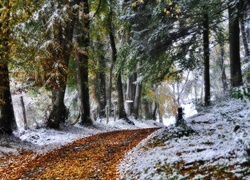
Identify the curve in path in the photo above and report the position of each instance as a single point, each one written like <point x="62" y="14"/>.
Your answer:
<point x="95" y="157"/>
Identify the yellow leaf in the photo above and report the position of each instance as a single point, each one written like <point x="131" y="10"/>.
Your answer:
<point x="178" y="11"/>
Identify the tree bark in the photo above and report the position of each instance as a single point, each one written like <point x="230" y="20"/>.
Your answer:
<point x="234" y="41"/>
<point x="221" y="41"/>
<point x="120" y="104"/>
<point x="155" y="111"/>
<point x="82" y="41"/>
<point x="63" y="37"/>
<point x="148" y="109"/>
<point x="129" y="96"/>
<point x="137" y="98"/>
<point x="245" y="31"/>
<point x="7" y="118"/>
<point x="101" y="87"/>
<point x="206" y="59"/>
<point x="110" y="87"/>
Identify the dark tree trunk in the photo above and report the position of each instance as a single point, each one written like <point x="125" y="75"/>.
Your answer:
<point x="206" y="59"/>
<point x="120" y="104"/>
<point x="148" y="109"/>
<point x="155" y="111"/>
<point x="245" y="39"/>
<point x="221" y="42"/>
<point x="7" y="118"/>
<point x="63" y="37"/>
<point x="101" y="87"/>
<point x="130" y="96"/>
<point x="110" y="86"/>
<point x="245" y="31"/>
<point x="137" y="100"/>
<point x="82" y="40"/>
<point x="234" y="41"/>
<point x="58" y="113"/>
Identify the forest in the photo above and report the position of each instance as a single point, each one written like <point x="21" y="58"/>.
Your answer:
<point x="134" y="58"/>
<point x="77" y="62"/>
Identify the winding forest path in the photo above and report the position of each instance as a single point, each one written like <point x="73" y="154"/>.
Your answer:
<point x="95" y="157"/>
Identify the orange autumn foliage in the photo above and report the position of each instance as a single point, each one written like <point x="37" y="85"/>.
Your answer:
<point x="94" y="157"/>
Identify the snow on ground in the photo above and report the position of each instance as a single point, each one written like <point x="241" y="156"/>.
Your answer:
<point x="221" y="138"/>
<point x="218" y="135"/>
<point x="43" y="140"/>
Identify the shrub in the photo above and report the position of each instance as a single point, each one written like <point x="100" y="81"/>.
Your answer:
<point x="242" y="92"/>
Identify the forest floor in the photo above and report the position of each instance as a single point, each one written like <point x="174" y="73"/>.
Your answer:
<point x="94" y="157"/>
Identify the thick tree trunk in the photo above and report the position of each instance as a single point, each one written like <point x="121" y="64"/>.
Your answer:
<point x="7" y="118"/>
<point x="63" y="37"/>
<point x="206" y="60"/>
<point x="245" y="31"/>
<point x="148" y="111"/>
<point x="234" y="41"/>
<point x="82" y="40"/>
<point x="58" y="113"/>
<point x="120" y="104"/>
<point x="83" y="89"/>
<point x="101" y="87"/>
<point x="221" y="42"/>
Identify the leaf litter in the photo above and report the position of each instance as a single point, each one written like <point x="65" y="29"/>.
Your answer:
<point x="94" y="157"/>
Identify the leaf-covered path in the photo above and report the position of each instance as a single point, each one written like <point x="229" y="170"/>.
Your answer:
<point x="94" y="157"/>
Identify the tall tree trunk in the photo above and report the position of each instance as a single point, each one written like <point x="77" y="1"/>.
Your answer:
<point x="120" y="104"/>
<point x="82" y="41"/>
<point x="101" y="87"/>
<point x="234" y="41"/>
<point x="137" y="98"/>
<point x="63" y="37"/>
<point x="129" y="96"/>
<point x="110" y="87"/>
<point x="221" y="42"/>
<point x="155" y="111"/>
<point x="7" y="118"/>
<point x="245" y="31"/>
<point x="206" y="59"/>
<point x="148" y="109"/>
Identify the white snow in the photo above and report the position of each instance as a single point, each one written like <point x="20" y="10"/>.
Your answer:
<point x="215" y="141"/>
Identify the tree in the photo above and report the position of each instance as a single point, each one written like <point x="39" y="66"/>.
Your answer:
<point x="62" y="36"/>
<point x="245" y="31"/>
<point x="120" y="103"/>
<point x="234" y="41"/>
<point x="82" y="28"/>
<point x="100" y="56"/>
<point x="206" y="59"/>
<point x="11" y="13"/>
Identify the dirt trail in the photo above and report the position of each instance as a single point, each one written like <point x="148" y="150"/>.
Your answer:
<point x="95" y="157"/>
